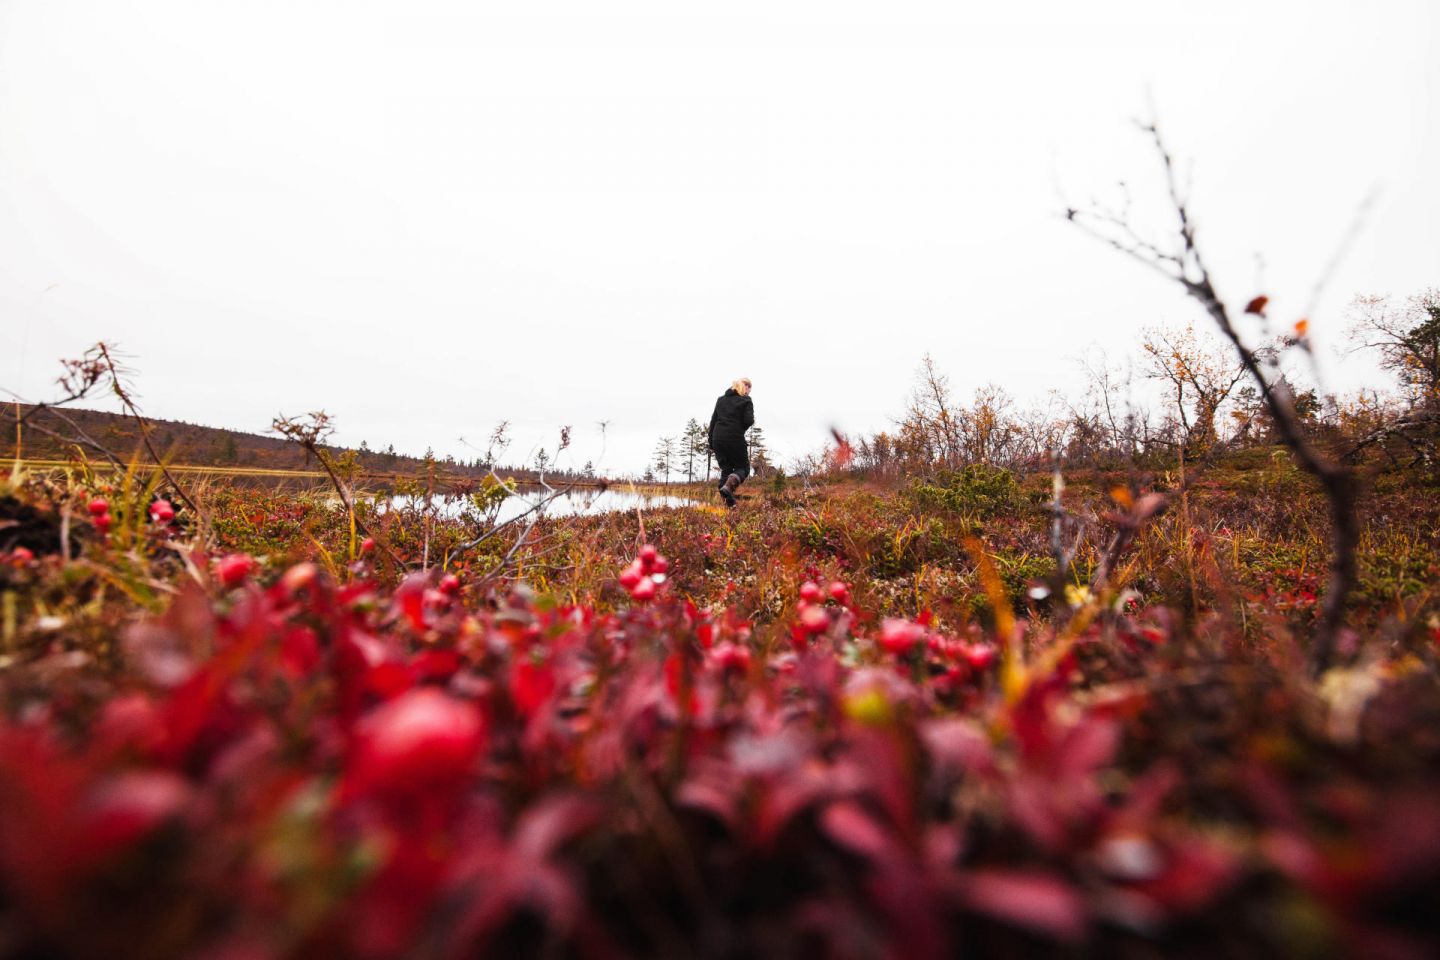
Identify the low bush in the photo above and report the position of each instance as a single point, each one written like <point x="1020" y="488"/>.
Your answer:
<point x="820" y="727"/>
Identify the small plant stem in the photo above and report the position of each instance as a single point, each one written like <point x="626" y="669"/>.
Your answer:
<point x="1185" y="533"/>
<point x="131" y="409"/>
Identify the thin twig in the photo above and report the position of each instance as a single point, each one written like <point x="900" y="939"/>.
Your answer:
<point x="118" y="386"/>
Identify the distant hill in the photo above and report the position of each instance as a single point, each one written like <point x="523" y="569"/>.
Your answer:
<point x="189" y="443"/>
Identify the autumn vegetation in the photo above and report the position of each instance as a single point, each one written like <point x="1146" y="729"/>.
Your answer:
<point x="1072" y="680"/>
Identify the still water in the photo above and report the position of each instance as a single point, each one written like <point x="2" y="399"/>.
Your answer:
<point x="580" y="502"/>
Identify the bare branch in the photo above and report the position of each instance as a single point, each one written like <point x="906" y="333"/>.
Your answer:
<point x="1335" y="479"/>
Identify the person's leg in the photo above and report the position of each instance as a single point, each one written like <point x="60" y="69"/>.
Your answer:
<point x="734" y="468"/>
<point x="728" y="480"/>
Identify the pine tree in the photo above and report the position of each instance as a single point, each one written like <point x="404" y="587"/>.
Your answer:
<point x="759" y="452"/>
<point x="665" y="456"/>
<point x="695" y="444"/>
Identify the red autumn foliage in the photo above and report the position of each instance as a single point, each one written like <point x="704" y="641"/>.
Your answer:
<point x="302" y="764"/>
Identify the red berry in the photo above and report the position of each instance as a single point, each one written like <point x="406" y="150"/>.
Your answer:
<point x="98" y="506"/>
<point x="235" y="568"/>
<point x="631" y="575"/>
<point x="161" y="511"/>
<point x="21" y="556"/>
<point x="900" y="636"/>
<point x="298" y="577"/>
<point x="980" y="655"/>
<point x="814" y="619"/>
<point x="839" y="592"/>
<point x="647" y="556"/>
<point x="419" y="740"/>
<point x="644" y="590"/>
<point x="732" y="656"/>
<point x="367" y="545"/>
<point x="809" y="592"/>
<point x="660" y="565"/>
<point x="102" y="522"/>
<point x="450" y="584"/>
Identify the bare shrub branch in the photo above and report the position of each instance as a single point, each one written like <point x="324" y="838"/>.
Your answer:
<point x="1181" y="262"/>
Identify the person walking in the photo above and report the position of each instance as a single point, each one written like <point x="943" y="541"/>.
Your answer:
<point x="734" y="414"/>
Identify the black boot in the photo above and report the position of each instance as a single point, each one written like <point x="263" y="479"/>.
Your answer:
<point x="727" y="489"/>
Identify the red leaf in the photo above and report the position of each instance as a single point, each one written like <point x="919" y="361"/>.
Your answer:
<point x="850" y="826"/>
<point x="1199" y="871"/>
<point x="300" y="651"/>
<point x="388" y="680"/>
<point x="411" y="597"/>
<point x="124" y="809"/>
<point x="1090" y="744"/>
<point x="531" y="684"/>
<point x="1040" y="902"/>
<point x="960" y="745"/>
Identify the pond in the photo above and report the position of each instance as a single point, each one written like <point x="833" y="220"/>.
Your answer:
<point x="575" y="503"/>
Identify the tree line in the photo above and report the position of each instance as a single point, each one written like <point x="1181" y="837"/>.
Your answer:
<point x="681" y="455"/>
<point x="1182" y="393"/>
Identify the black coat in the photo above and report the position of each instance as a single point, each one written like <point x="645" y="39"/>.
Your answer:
<point x="733" y="415"/>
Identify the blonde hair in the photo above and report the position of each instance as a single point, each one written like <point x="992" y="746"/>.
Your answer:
<point x="741" y="386"/>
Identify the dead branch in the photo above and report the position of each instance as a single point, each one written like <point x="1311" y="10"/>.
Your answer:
<point x="1183" y="264"/>
<point x="308" y="433"/>
<point x="118" y="386"/>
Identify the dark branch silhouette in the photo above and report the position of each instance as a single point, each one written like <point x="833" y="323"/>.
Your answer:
<point x="1182" y="263"/>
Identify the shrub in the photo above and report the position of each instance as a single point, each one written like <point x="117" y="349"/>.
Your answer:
<point x="977" y="490"/>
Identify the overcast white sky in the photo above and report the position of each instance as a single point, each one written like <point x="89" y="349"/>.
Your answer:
<point x="427" y="216"/>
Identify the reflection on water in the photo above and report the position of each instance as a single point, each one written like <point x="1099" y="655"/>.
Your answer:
<point x="579" y="502"/>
